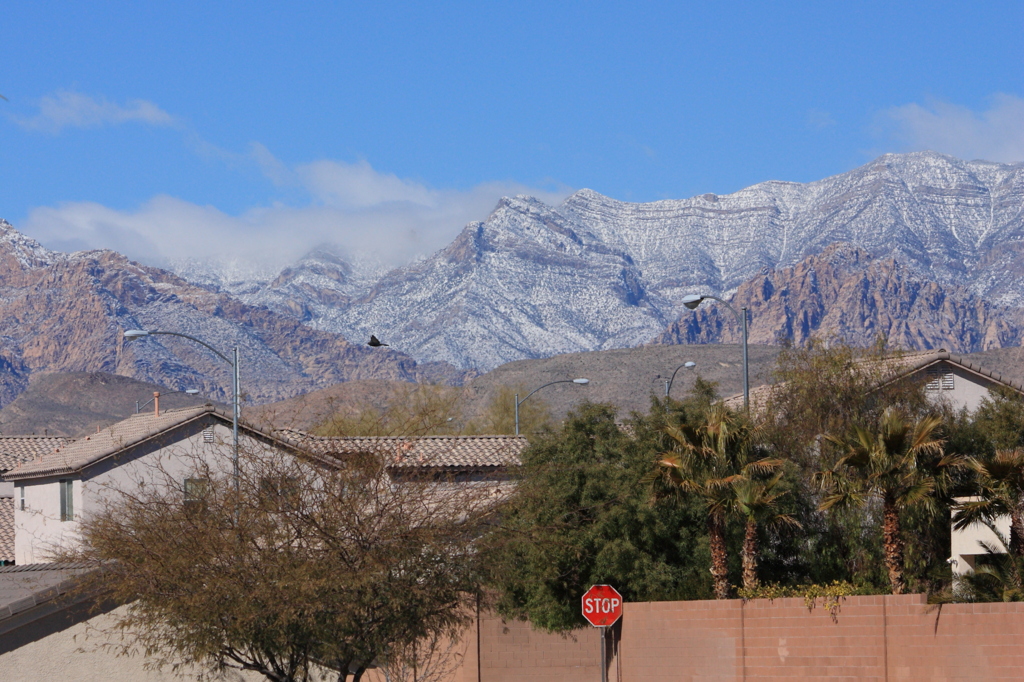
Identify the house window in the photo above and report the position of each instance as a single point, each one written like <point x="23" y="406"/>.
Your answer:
<point x="208" y="434"/>
<point x="67" y="499"/>
<point x="22" y="496"/>
<point x="195" y="492"/>
<point x="939" y="379"/>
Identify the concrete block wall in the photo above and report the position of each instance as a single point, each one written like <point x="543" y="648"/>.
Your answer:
<point x="514" y="651"/>
<point x="876" y="638"/>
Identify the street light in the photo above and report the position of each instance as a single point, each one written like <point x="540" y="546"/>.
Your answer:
<point x="668" y="384"/>
<point x="560" y="381"/>
<point x="233" y="361"/>
<point x="187" y="391"/>
<point x="692" y="301"/>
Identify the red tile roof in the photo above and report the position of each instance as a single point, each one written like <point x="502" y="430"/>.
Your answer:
<point x="423" y="452"/>
<point x="17" y="449"/>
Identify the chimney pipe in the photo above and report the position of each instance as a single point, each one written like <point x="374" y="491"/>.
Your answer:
<point x="156" y="403"/>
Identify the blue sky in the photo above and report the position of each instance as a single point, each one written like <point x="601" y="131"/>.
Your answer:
<point x="174" y="129"/>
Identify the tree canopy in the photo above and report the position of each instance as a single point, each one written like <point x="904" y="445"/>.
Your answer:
<point x="310" y="565"/>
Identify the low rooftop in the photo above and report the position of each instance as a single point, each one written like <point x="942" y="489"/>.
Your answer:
<point x="443" y="453"/>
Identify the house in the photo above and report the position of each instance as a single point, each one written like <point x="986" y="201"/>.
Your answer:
<point x="54" y="487"/>
<point x="53" y="490"/>
<point x="951" y="378"/>
<point x="954" y="380"/>
<point x="13" y="451"/>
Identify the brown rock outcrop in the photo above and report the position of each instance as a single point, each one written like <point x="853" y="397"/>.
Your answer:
<point x="844" y="294"/>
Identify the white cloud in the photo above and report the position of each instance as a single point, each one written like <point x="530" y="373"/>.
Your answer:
<point x="363" y="212"/>
<point x="67" y="109"/>
<point x="996" y="134"/>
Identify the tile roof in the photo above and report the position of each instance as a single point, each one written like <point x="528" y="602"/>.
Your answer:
<point x="896" y="367"/>
<point x="6" y="529"/>
<point x="72" y="457"/>
<point x="24" y="587"/>
<point x="423" y="452"/>
<point x="17" y="449"/>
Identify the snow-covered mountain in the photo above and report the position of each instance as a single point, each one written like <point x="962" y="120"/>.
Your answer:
<point x="64" y="312"/>
<point x="594" y="273"/>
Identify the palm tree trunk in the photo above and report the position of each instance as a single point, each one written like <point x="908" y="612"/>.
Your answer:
<point x="1017" y="531"/>
<point x="719" y="564"/>
<point x="750" y="556"/>
<point x="892" y="539"/>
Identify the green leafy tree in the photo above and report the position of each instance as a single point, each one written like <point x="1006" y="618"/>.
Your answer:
<point x="582" y="515"/>
<point x="1001" y="417"/>
<point x="897" y="464"/>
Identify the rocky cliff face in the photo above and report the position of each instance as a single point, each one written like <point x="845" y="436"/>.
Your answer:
<point x="594" y="273"/>
<point x="66" y="313"/>
<point x="844" y="293"/>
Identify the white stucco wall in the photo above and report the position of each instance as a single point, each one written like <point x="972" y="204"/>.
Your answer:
<point x="78" y="654"/>
<point x="38" y="530"/>
<point x="968" y="391"/>
<point x="965" y="545"/>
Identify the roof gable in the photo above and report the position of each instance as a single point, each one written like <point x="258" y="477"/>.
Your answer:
<point x="117" y="438"/>
<point x="896" y="368"/>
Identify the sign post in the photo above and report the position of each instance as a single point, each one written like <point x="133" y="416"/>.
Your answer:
<point x="602" y="607"/>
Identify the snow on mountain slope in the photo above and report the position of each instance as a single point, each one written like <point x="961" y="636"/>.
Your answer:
<point x="66" y="312"/>
<point x="594" y="273"/>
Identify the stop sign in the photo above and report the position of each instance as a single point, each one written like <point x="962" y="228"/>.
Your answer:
<point x="602" y="605"/>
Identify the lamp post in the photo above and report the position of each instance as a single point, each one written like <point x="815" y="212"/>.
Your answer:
<point x="233" y="361"/>
<point x="187" y="391"/>
<point x="552" y="383"/>
<point x="668" y="384"/>
<point x="692" y="301"/>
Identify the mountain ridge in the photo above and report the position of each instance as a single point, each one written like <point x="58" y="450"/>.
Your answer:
<point x="594" y="273"/>
<point x="66" y="313"/>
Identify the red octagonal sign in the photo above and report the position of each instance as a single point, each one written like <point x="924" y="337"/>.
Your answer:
<point x="602" y="605"/>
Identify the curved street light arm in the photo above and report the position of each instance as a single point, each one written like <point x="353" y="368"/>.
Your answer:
<point x="233" y="361"/>
<point x="550" y="383"/>
<point x="726" y="304"/>
<point x="742" y="319"/>
<point x="668" y="386"/>
<point x="201" y="343"/>
<point x="560" y="381"/>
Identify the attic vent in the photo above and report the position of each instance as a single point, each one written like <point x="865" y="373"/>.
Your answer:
<point x="939" y="379"/>
<point x="208" y="434"/>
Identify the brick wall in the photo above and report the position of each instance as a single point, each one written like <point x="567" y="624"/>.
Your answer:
<point x="872" y="638"/>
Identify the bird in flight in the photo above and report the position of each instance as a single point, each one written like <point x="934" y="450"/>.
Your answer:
<point x="375" y="342"/>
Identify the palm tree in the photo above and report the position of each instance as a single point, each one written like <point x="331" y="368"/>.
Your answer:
<point x="997" y="578"/>
<point x="1000" y="480"/>
<point x="757" y="501"/>
<point x="889" y="465"/>
<point x="706" y="462"/>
